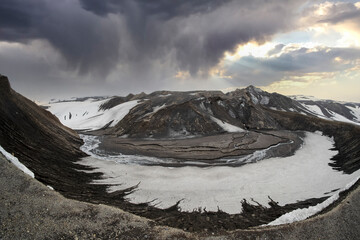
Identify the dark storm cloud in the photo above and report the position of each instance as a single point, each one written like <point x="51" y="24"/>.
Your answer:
<point x="305" y="61"/>
<point x="85" y="41"/>
<point x="264" y="71"/>
<point x="16" y="19"/>
<point x="199" y="33"/>
<point x="161" y="8"/>
<point x="144" y="36"/>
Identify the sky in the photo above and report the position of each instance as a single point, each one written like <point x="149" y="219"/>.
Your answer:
<point x="73" y="48"/>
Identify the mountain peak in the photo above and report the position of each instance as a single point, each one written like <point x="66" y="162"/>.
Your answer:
<point x="252" y="88"/>
<point x="4" y="84"/>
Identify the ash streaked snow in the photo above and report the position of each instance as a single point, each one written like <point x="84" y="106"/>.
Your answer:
<point x="87" y="116"/>
<point x="286" y="180"/>
<point x="226" y="126"/>
<point x="302" y="214"/>
<point x="14" y="160"/>
<point x="356" y="111"/>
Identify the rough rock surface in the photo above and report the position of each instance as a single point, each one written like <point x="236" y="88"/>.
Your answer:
<point x="172" y="114"/>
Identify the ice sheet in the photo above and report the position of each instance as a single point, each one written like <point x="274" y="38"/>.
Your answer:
<point x="286" y="180"/>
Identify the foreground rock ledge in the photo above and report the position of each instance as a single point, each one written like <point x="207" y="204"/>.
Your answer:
<point x="30" y="210"/>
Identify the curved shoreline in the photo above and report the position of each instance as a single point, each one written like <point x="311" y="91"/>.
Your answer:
<point x="45" y="214"/>
<point x="222" y="187"/>
<point x="228" y="149"/>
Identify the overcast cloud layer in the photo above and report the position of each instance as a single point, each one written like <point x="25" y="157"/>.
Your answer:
<point x="84" y="47"/>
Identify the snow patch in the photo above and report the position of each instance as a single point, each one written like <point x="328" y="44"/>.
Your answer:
<point x="315" y="110"/>
<point x="226" y="126"/>
<point x="14" y="160"/>
<point x="157" y="108"/>
<point x="254" y="99"/>
<point x="341" y="118"/>
<point x="220" y="103"/>
<point x="355" y="112"/>
<point x="202" y="106"/>
<point x="302" y="214"/>
<point x="264" y="100"/>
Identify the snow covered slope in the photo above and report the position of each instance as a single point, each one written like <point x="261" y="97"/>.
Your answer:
<point x="87" y="114"/>
<point x="332" y="110"/>
<point x="179" y="114"/>
<point x="306" y="105"/>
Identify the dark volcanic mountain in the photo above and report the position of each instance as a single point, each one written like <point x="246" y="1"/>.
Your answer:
<point x="41" y="142"/>
<point x="167" y="115"/>
<point x="174" y="114"/>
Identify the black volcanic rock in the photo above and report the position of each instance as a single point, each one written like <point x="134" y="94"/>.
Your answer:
<point x="4" y="85"/>
<point x="36" y="136"/>
<point x="268" y="100"/>
<point x="44" y="145"/>
<point x="168" y="114"/>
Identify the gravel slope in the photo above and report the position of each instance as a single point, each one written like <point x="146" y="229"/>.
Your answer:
<point x="30" y="210"/>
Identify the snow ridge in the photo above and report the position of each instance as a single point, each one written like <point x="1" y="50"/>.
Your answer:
<point x="14" y="160"/>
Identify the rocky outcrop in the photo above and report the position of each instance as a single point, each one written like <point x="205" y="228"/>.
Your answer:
<point x="172" y="114"/>
<point x="43" y="144"/>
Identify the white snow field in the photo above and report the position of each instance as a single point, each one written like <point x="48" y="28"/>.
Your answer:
<point x="14" y="160"/>
<point x="355" y="111"/>
<point x="286" y="180"/>
<point x="86" y="115"/>
<point x="314" y="109"/>
<point x="302" y="214"/>
<point x="334" y="116"/>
